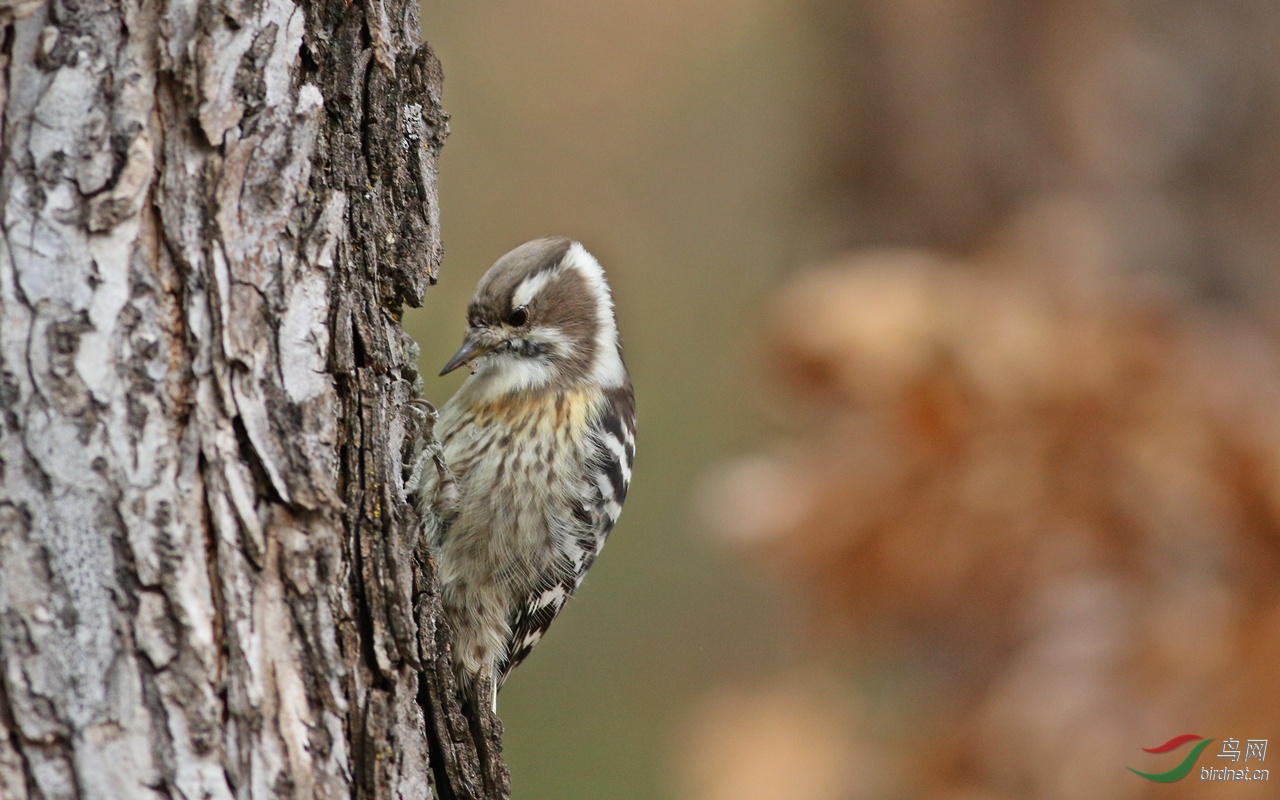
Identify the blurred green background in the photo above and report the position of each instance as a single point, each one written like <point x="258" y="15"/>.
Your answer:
<point x="669" y="138"/>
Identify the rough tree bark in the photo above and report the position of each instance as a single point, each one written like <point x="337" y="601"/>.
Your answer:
<point x="210" y="582"/>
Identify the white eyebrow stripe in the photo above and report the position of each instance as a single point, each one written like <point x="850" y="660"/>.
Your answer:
<point x="530" y="286"/>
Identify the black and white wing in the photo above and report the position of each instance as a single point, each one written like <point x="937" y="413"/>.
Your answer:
<point x="608" y="476"/>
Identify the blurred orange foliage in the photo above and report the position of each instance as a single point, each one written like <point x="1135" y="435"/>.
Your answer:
<point x="1035" y="468"/>
<point x="1060" y="482"/>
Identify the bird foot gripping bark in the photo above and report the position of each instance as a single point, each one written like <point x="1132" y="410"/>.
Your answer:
<point x="430" y="480"/>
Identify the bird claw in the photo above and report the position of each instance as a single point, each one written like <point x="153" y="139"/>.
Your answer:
<point x="426" y="449"/>
<point x="445" y="503"/>
<point x="425" y="406"/>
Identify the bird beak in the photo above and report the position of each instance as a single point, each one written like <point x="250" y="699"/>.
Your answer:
<point x="472" y="348"/>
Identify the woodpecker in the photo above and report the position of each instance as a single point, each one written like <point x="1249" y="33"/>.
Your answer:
<point x="537" y="448"/>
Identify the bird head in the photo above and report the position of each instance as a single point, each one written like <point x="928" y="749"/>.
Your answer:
<point x="541" y="318"/>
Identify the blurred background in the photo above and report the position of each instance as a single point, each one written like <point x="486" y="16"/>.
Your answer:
<point x="953" y="329"/>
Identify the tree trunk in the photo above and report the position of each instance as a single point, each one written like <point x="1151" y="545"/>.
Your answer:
<point x="211" y="583"/>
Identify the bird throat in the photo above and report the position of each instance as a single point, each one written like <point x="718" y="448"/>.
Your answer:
<point x="559" y="408"/>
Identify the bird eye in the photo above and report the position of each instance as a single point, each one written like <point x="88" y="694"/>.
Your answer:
<point x="519" y="317"/>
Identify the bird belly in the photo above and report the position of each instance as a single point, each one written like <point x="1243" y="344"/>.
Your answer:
<point x="515" y="521"/>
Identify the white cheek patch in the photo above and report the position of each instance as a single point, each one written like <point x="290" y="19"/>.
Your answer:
<point x="607" y="368"/>
<point x="554" y="338"/>
<point x="502" y="373"/>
